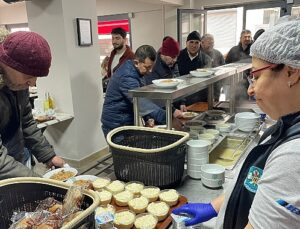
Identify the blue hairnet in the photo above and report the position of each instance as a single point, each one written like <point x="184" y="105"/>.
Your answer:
<point x="279" y="44"/>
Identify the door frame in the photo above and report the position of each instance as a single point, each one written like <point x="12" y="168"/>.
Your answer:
<point x="179" y="20"/>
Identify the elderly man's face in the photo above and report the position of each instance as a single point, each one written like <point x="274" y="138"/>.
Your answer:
<point x="16" y="80"/>
<point x="207" y="44"/>
<point x="246" y="39"/>
<point x="118" y="41"/>
<point x="193" y="47"/>
<point x="169" y="60"/>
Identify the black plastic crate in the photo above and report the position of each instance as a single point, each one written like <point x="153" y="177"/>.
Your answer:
<point x="154" y="157"/>
<point x="24" y="194"/>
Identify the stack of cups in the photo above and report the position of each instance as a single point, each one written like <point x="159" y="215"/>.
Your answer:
<point x="197" y="156"/>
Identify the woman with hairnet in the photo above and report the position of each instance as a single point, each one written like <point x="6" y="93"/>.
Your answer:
<point x="266" y="191"/>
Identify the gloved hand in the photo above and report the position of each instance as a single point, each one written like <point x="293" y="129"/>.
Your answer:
<point x="201" y="212"/>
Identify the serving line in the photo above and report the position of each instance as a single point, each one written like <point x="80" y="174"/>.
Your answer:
<point x="189" y="86"/>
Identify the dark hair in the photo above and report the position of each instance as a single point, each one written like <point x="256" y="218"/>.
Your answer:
<point x="145" y="51"/>
<point x="245" y="31"/>
<point x="120" y="31"/>
<point x="278" y="68"/>
<point x="258" y="33"/>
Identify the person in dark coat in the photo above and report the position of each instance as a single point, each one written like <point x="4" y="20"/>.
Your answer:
<point x="189" y="59"/>
<point x="118" y="106"/>
<point x="240" y="52"/>
<point x="192" y="57"/>
<point x="24" y="56"/>
<point x="165" y="66"/>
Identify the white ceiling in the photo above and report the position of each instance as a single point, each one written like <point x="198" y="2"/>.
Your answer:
<point x="174" y="2"/>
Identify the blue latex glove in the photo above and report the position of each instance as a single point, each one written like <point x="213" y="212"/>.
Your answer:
<point x="201" y="212"/>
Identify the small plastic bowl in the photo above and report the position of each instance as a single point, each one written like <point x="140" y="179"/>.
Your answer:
<point x="161" y="216"/>
<point x="123" y="225"/>
<point x="208" y="137"/>
<point x="153" y="196"/>
<point x="223" y="127"/>
<point x="123" y="202"/>
<point x="101" y="182"/>
<point x="213" y="171"/>
<point x="137" y="226"/>
<point x="135" y="187"/>
<point x="213" y="132"/>
<point x="136" y="209"/>
<point x="114" y="190"/>
<point x="163" y="196"/>
<point x="103" y="199"/>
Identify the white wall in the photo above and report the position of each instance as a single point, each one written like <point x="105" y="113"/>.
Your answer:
<point x="147" y="24"/>
<point x="13" y="14"/>
<point x="224" y="3"/>
<point x="74" y="79"/>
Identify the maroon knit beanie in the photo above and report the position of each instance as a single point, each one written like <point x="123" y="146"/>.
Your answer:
<point x="26" y="52"/>
<point x="170" y="47"/>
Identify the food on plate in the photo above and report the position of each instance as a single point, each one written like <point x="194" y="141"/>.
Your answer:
<point x="167" y="81"/>
<point x="55" y="208"/>
<point x="44" y="226"/>
<point x="134" y="187"/>
<point x="122" y="198"/>
<point x="100" y="183"/>
<point x="151" y="193"/>
<point x="145" y="221"/>
<point x="201" y="70"/>
<point x="170" y="197"/>
<point x="105" y="197"/>
<point x="189" y="114"/>
<point x="124" y="219"/>
<point x="84" y="183"/>
<point x="62" y="175"/>
<point x="115" y="187"/>
<point x="138" y="205"/>
<point x="159" y="209"/>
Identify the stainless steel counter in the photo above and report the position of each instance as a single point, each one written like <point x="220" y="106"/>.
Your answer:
<point x="189" y="86"/>
<point x="195" y="191"/>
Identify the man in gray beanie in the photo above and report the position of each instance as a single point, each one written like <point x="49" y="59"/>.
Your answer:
<point x="265" y="192"/>
<point x="24" y="56"/>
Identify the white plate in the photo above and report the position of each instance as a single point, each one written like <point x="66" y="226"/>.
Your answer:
<point x="202" y="73"/>
<point x="167" y="83"/>
<point x="189" y="115"/>
<point x="82" y="177"/>
<point x="52" y="172"/>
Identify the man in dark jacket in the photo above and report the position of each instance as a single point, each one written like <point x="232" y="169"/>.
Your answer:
<point x="190" y="59"/>
<point x="118" y="108"/>
<point x="165" y="66"/>
<point x="242" y="50"/>
<point x="24" y="56"/>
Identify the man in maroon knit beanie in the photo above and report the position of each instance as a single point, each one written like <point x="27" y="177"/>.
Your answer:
<point x="24" y="56"/>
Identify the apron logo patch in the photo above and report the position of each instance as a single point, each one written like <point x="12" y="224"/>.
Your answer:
<point x="254" y="175"/>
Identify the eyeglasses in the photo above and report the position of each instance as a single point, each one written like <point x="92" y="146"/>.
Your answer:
<point x="253" y="74"/>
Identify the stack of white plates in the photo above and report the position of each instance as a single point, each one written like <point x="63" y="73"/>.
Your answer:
<point x="212" y="175"/>
<point x="246" y="121"/>
<point x="197" y="156"/>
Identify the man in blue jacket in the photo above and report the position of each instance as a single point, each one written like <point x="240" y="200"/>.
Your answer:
<point x="118" y="107"/>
